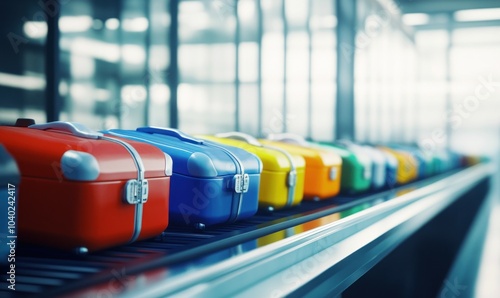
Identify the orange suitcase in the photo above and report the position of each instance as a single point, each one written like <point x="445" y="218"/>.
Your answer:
<point x="323" y="168"/>
<point x="84" y="190"/>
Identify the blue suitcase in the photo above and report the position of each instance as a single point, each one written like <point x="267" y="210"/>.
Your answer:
<point x="211" y="183"/>
<point x="391" y="168"/>
<point x="9" y="187"/>
<point x="379" y="167"/>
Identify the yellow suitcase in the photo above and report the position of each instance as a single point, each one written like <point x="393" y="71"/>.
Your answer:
<point x="407" y="165"/>
<point x="283" y="174"/>
<point x="323" y="168"/>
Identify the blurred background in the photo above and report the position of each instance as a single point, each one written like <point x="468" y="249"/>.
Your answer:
<point x="424" y="72"/>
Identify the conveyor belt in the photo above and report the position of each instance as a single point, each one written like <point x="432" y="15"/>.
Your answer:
<point x="42" y="271"/>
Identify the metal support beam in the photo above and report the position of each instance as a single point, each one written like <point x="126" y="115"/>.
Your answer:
<point x="444" y="6"/>
<point x="285" y="54"/>
<point x="346" y="31"/>
<point x="52" y="73"/>
<point x="173" y="73"/>
<point x="449" y="99"/>
<point x="458" y="25"/>
<point x="121" y="69"/>
<point x="147" y="71"/>
<point x="237" y="68"/>
<point x="309" y="70"/>
<point x="260" y="33"/>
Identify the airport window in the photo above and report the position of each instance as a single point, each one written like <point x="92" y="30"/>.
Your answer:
<point x="22" y="71"/>
<point x="247" y="148"/>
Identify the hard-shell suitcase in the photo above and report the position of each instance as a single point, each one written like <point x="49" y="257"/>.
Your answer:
<point x="9" y="191"/>
<point x="468" y="160"/>
<point x="323" y="169"/>
<point x="378" y="167"/>
<point x="456" y="159"/>
<point x="445" y="159"/>
<point x="211" y="183"/>
<point x="407" y="165"/>
<point x="84" y="190"/>
<point x="442" y="160"/>
<point x="424" y="162"/>
<point x="437" y="164"/>
<point x="356" y="168"/>
<point x="283" y="173"/>
<point x="391" y="167"/>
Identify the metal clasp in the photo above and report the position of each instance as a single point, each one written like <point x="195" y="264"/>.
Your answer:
<point x="333" y="174"/>
<point x="291" y="179"/>
<point x="241" y="183"/>
<point x="367" y="173"/>
<point x="136" y="192"/>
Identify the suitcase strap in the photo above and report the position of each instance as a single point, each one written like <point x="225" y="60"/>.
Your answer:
<point x="136" y="190"/>
<point x="291" y="179"/>
<point x="239" y="184"/>
<point x="289" y="138"/>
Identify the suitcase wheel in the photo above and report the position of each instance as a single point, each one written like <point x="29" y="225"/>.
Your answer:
<point x="82" y="250"/>
<point x="266" y="210"/>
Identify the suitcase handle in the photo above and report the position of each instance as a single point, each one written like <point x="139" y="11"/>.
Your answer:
<point x="170" y="132"/>
<point x="289" y="138"/>
<point x="240" y="136"/>
<point x="76" y="129"/>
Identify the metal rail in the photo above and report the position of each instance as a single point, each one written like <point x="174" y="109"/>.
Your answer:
<point x="344" y="249"/>
<point x="233" y="259"/>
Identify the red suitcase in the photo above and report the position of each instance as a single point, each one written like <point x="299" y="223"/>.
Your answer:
<point x="84" y="190"/>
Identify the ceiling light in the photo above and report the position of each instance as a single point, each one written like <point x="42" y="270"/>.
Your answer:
<point x="469" y="15"/>
<point x="75" y="23"/>
<point x="415" y="19"/>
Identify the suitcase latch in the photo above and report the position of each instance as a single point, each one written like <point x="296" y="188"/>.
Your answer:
<point x="333" y="174"/>
<point x="367" y="173"/>
<point x="136" y="192"/>
<point x="291" y="180"/>
<point x="241" y="183"/>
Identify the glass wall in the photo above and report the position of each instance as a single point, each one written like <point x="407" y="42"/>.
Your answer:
<point x="249" y="67"/>
<point x="385" y="76"/>
<point x="207" y="66"/>
<point x="323" y="42"/>
<point x="114" y="63"/>
<point x="257" y="66"/>
<point x="433" y="85"/>
<point x="260" y="67"/>
<point x="274" y="116"/>
<point x="22" y="69"/>
<point x="457" y="69"/>
<point x="159" y="70"/>
<point x="475" y="90"/>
